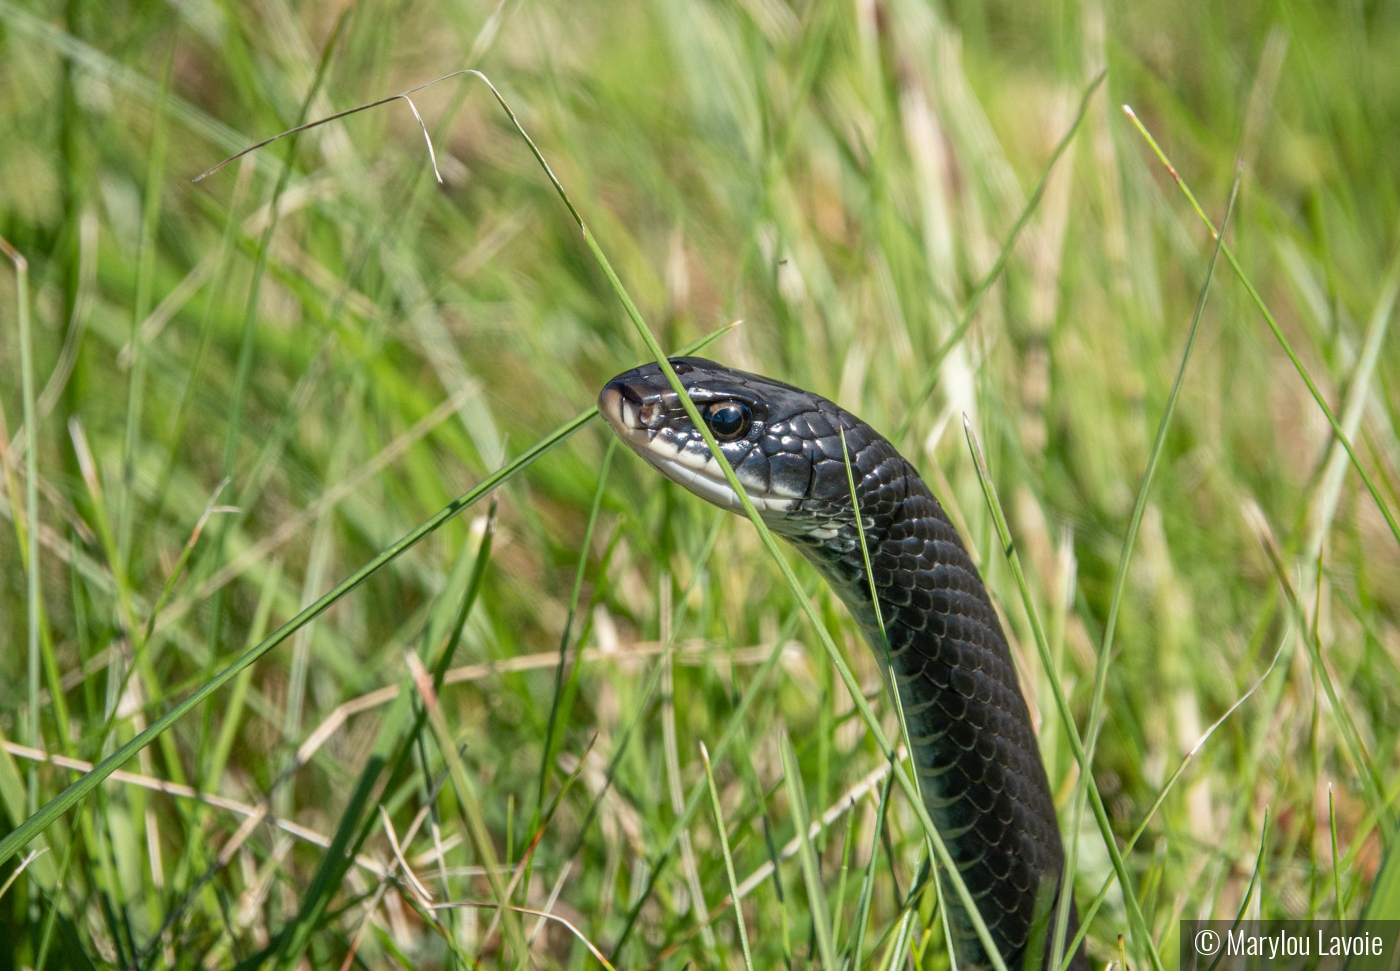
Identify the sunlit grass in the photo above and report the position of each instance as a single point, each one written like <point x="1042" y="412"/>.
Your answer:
<point x="912" y="213"/>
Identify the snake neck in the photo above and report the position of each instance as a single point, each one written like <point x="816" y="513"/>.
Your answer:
<point x="973" y="745"/>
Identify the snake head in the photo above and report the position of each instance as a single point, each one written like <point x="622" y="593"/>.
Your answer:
<point x="783" y="443"/>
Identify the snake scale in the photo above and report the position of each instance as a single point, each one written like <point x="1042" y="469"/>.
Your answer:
<point x="974" y="749"/>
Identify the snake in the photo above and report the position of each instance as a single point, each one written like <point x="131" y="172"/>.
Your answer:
<point x="969" y="729"/>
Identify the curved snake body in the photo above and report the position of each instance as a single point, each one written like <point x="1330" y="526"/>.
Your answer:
<point x="974" y="749"/>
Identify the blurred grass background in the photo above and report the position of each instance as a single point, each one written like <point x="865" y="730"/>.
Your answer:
<point x="840" y="176"/>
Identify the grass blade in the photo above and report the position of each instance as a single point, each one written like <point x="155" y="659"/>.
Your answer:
<point x="811" y="867"/>
<point x="1273" y="326"/>
<point x="1384" y="902"/>
<point x="1141" y="934"/>
<point x="975" y="301"/>
<point x="867" y="888"/>
<point x="1339" y="902"/>
<point x="839" y="905"/>
<point x="723" y="832"/>
<point x="145" y="270"/>
<point x="469" y="805"/>
<point x="546" y="759"/>
<point x="31" y="503"/>
<point x="670" y="750"/>
<point x="903" y="930"/>
<point x="1372" y="783"/>
<point x="29" y="858"/>
<point x="248" y="344"/>
<point x="1120" y="577"/>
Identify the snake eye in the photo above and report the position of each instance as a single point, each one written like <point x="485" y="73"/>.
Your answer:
<point x="728" y="419"/>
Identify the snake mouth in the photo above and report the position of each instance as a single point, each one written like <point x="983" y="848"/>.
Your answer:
<point x="665" y="437"/>
<point x="631" y="417"/>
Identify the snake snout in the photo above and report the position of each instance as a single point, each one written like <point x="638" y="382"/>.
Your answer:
<point x="635" y="412"/>
<point x="621" y="405"/>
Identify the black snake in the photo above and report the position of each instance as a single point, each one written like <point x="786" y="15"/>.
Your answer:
<point x="974" y="749"/>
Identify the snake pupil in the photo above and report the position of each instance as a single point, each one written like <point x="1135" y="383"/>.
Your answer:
<point x="728" y="419"/>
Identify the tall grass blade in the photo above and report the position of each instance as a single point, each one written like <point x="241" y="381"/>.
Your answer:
<point x="1142" y="936"/>
<point x="145" y="270"/>
<point x="1087" y="918"/>
<point x="547" y="758"/>
<point x="31" y="504"/>
<point x="247" y="348"/>
<point x="1371" y="781"/>
<point x="723" y="831"/>
<point x="807" y="854"/>
<point x="856" y="951"/>
<point x="1384" y="902"/>
<point x="1283" y="341"/>
<point x="1338" y="901"/>
<point x="469" y="805"/>
<point x="1120" y="578"/>
<point x="933" y="366"/>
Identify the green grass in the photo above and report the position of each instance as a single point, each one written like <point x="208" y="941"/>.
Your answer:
<point x="383" y="351"/>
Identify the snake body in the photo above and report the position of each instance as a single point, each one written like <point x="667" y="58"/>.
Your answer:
<point x="978" y="765"/>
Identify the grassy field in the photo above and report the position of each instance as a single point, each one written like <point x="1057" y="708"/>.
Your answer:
<point x="222" y="399"/>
